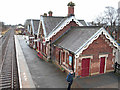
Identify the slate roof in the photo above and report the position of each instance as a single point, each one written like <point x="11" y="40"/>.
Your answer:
<point x="0" y="26"/>
<point x="52" y="22"/>
<point x="83" y="22"/>
<point x="27" y="22"/>
<point x="76" y="37"/>
<point x="36" y="25"/>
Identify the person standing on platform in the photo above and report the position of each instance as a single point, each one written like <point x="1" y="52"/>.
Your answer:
<point x="70" y="79"/>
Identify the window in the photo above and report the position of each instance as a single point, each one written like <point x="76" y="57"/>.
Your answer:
<point x="65" y="57"/>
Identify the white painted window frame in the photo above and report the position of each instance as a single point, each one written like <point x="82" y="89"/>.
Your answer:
<point x="41" y="47"/>
<point x="60" y="56"/>
<point x="65" y="62"/>
<point x="64" y="57"/>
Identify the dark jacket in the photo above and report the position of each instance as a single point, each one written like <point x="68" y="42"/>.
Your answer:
<point x="70" y="77"/>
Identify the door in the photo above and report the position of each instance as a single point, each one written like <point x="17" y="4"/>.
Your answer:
<point x="35" y="45"/>
<point x="60" y="57"/>
<point x="85" y="67"/>
<point x="102" y="64"/>
<point x="39" y="46"/>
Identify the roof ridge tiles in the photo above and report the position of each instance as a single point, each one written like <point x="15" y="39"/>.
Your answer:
<point x="86" y="27"/>
<point x="55" y="16"/>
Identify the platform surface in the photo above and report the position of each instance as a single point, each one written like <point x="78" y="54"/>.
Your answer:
<point x="44" y="74"/>
<point x="25" y="78"/>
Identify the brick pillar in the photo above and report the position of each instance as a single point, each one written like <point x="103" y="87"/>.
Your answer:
<point x="48" y="51"/>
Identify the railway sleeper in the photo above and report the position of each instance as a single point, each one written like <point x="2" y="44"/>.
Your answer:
<point x="6" y="73"/>
<point x="4" y="82"/>
<point x="6" y="86"/>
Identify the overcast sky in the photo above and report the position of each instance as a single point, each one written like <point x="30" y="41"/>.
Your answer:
<point x="17" y="11"/>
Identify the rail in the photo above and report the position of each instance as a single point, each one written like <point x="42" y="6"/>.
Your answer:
<point x="8" y="69"/>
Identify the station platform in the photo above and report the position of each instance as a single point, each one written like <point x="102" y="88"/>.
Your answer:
<point x="40" y="74"/>
<point x="25" y="79"/>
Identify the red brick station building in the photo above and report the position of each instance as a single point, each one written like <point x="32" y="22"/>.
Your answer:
<point x="72" y="44"/>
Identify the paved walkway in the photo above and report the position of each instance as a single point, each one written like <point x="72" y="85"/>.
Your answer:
<point x="25" y="79"/>
<point x="45" y="75"/>
<point x="107" y="80"/>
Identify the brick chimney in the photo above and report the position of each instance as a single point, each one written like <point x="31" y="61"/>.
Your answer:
<point x="71" y="9"/>
<point x="50" y="13"/>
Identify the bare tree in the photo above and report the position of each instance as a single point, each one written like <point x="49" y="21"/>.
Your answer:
<point x="100" y="20"/>
<point x="108" y="17"/>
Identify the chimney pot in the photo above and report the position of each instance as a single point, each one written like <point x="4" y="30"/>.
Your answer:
<point x="45" y="14"/>
<point x="50" y="13"/>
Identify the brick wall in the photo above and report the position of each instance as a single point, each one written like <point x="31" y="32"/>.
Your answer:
<point x="60" y="53"/>
<point x="98" y="47"/>
<point x="57" y="54"/>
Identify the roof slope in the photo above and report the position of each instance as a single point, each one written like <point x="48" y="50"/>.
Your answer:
<point x="83" y="22"/>
<point x="51" y="22"/>
<point x="36" y="25"/>
<point x="76" y="37"/>
<point x="27" y="22"/>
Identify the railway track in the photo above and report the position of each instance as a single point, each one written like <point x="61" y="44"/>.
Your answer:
<point x="4" y="41"/>
<point x="8" y="69"/>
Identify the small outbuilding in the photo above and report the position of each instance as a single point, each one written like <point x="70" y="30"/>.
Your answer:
<point x="88" y="50"/>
